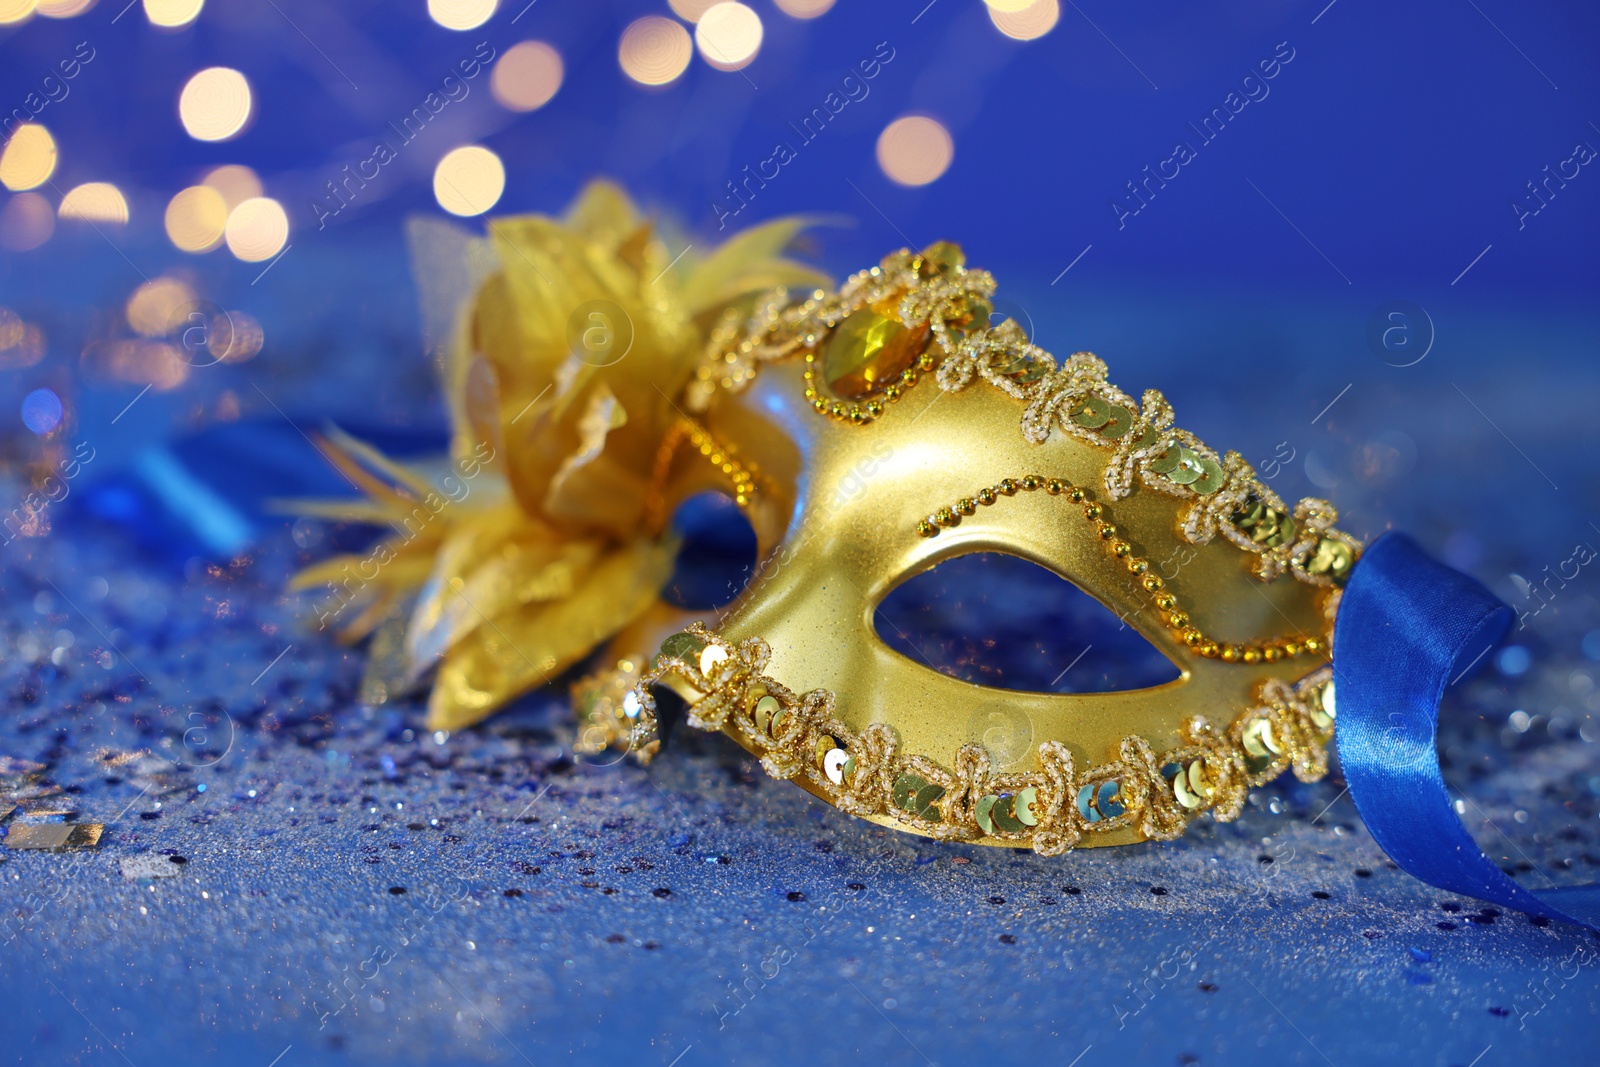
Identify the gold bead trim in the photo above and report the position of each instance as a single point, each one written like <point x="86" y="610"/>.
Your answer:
<point x="1168" y="608"/>
<point x="742" y="479"/>
<point x="801" y="736"/>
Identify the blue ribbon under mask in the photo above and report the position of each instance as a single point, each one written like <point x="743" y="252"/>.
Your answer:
<point x="1407" y="628"/>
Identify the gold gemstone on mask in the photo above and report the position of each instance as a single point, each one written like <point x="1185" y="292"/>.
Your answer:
<point x="1091" y="413"/>
<point x="941" y="257"/>
<point x="867" y="351"/>
<point x="1332" y="558"/>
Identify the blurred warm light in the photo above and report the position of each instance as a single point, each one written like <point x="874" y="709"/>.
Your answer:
<point x="215" y="104"/>
<point x="234" y="337"/>
<point x="1033" y="21"/>
<point x="805" y="9"/>
<point x="63" y="9"/>
<point x="16" y="11"/>
<point x="527" y="76"/>
<point x="728" y="35"/>
<point x="29" y="158"/>
<point x="26" y="221"/>
<point x="172" y="13"/>
<point x="1008" y="6"/>
<point x="21" y="343"/>
<point x="914" y="150"/>
<point x="691" y="10"/>
<point x="155" y="308"/>
<point x="469" y="180"/>
<point x="196" y="218"/>
<point x="461" y="14"/>
<point x="94" y="202"/>
<point x="654" y="50"/>
<point x="236" y="183"/>
<point x="156" y="363"/>
<point x="257" y="229"/>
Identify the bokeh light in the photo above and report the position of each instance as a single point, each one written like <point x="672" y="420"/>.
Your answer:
<point x="215" y="104"/>
<point x="1028" y="23"/>
<point x="21" y="343"/>
<point x="140" y="362"/>
<point x="469" y="180"/>
<point x="156" y="308"/>
<point x="94" y="202"/>
<point x="234" y="337"/>
<point x="29" y="158"/>
<point x="257" y="229"/>
<point x="196" y="218"/>
<point x="26" y="222"/>
<point x="728" y="35"/>
<point x="236" y="183"/>
<point x="1007" y="6"/>
<point x="171" y="14"/>
<point x="691" y="10"/>
<point x="461" y="14"/>
<point x="42" y="411"/>
<point x="12" y="11"/>
<point x="63" y="9"/>
<point x="805" y="9"/>
<point x="914" y="150"/>
<point x="655" y="50"/>
<point x="527" y="76"/>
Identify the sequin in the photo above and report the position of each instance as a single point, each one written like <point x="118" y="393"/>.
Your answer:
<point x="941" y="257"/>
<point x="684" y="646"/>
<point x="905" y="788"/>
<point x="1004" y="815"/>
<point x="1109" y="799"/>
<point x="1091" y="413"/>
<point x="1188" y="468"/>
<point x="1211" y="477"/>
<point x="1259" y="740"/>
<point x="711" y="656"/>
<point x="1120" y="422"/>
<point x="1022" y="806"/>
<point x="1086" y="806"/>
<point x="1332" y="558"/>
<point x="985" y="805"/>
<point x="833" y="764"/>
<point x="765" y="709"/>
<point x="1167" y="461"/>
<point x="924" y="804"/>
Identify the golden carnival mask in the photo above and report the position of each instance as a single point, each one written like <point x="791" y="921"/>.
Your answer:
<point x="965" y="437"/>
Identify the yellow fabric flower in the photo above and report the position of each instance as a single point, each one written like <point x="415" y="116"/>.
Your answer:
<point x="563" y="380"/>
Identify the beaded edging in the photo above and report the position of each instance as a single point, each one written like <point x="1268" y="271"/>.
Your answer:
<point x="800" y="736"/>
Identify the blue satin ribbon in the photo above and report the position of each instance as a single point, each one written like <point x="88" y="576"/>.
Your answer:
<point x="1408" y="627"/>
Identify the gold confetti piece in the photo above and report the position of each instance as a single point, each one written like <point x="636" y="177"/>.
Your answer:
<point x="54" y="836"/>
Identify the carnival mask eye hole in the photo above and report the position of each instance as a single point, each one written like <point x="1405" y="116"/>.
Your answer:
<point x="1002" y="621"/>
<point x="716" y="556"/>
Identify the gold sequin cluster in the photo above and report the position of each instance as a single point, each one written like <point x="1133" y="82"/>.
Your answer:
<point x="1170" y="610"/>
<point x="800" y="736"/>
